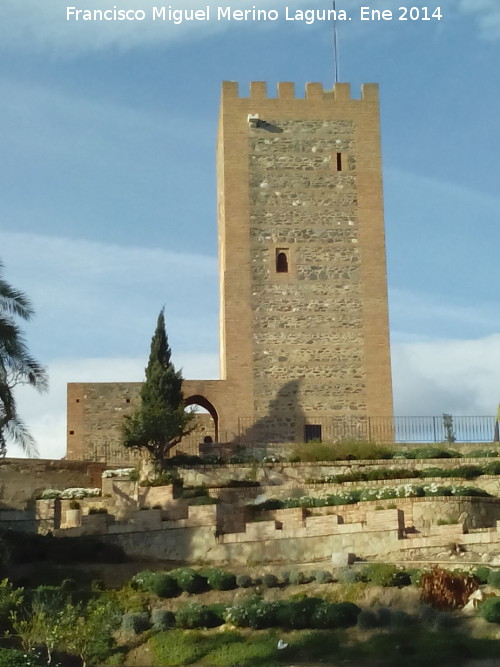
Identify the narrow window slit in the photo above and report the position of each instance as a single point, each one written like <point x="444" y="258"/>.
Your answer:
<point x="281" y="261"/>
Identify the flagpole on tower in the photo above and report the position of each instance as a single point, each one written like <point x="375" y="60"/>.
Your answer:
<point x="335" y="44"/>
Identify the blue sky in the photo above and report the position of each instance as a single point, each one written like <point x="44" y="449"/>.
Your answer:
<point x="107" y="210"/>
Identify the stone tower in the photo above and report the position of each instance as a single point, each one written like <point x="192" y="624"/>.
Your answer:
<point x="304" y="321"/>
<point x="304" y="337"/>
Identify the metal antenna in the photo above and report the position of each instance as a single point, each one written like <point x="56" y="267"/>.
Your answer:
<point x="335" y="45"/>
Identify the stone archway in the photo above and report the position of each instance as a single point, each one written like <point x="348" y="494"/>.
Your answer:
<point x="197" y="399"/>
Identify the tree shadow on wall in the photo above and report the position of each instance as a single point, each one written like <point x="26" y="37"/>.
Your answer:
<point x="282" y="423"/>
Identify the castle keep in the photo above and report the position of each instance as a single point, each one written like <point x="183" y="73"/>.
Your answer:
<point x="303" y="299"/>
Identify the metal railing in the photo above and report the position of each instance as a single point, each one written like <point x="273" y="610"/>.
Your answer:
<point x="445" y="428"/>
<point x="269" y="431"/>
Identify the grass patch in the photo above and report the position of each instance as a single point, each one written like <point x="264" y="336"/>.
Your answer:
<point x="223" y="649"/>
<point x="408" y="646"/>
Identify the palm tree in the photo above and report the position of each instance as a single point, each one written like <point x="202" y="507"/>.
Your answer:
<point x="17" y="367"/>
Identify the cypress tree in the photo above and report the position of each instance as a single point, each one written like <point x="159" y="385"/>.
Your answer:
<point x="159" y="422"/>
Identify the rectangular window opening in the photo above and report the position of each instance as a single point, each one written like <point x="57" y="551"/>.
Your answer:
<point x="312" y="433"/>
<point x="339" y="161"/>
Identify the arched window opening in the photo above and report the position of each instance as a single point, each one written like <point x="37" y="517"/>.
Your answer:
<point x="281" y="261"/>
<point x="205" y="429"/>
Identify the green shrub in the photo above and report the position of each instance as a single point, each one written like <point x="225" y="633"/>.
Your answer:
<point x="435" y="452"/>
<point x="285" y="577"/>
<point x="270" y="580"/>
<point x="387" y="473"/>
<point x="240" y="483"/>
<point x="50" y="595"/>
<point x="193" y="615"/>
<point x="254" y="613"/>
<point x="490" y="610"/>
<point x="272" y="504"/>
<point x="415" y="576"/>
<point x="143" y="580"/>
<point x="400" y="620"/>
<point x="164" y="479"/>
<point x="492" y="468"/>
<point x="184" y="460"/>
<point x="341" y="451"/>
<point x="347" y="575"/>
<point x="98" y="510"/>
<point x="297" y="578"/>
<point x="367" y="620"/>
<point x="323" y="577"/>
<point x="220" y="580"/>
<point x="384" y="617"/>
<point x="382" y="574"/>
<point x="218" y="612"/>
<point x="244" y="581"/>
<point x="189" y="580"/>
<point x="190" y="492"/>
<point x="482" y="572"/>
<point x="203" y="500"/>
<point x="162" y="619"/>
<point x="134" y="475"/>
<point x="10" y="657"/>
<point x="163" y="585"/>
<point x="468" y="472"/>
<point x="483" y="453"/>
<point x="469" y="491"/>
<point x="494" y="578"/>
<point x="297" y="614"/>
<point x="338" y="614"/>
<point x="135" y="622"/>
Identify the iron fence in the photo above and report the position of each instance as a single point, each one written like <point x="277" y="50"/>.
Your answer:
<point x="270" y="432"/>
<point x="445" y="428"/>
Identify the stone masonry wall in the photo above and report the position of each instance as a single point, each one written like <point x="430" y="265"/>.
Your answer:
<point x="22" y="480"/>
<point x="307" y="322"/>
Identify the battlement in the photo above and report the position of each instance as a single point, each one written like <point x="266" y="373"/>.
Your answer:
<point x="313" y="91"/>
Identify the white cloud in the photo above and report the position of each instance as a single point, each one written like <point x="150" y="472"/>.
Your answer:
<point x="460" y="377"/>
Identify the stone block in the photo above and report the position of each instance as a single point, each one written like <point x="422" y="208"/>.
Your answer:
<point x="147" y="520"/>
<point x="342" y="558"/>
<point x="385" y="520"/>
<point x="202" y="515"/>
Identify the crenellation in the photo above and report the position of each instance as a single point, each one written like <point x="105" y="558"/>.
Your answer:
<point x="258" y="90"/>
<point x="314" y="92"/>
<point x="342" y="92"/>
<point x="286" y="90"/>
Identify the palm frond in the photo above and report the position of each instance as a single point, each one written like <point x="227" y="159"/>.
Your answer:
<point x="17" y="432"/>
